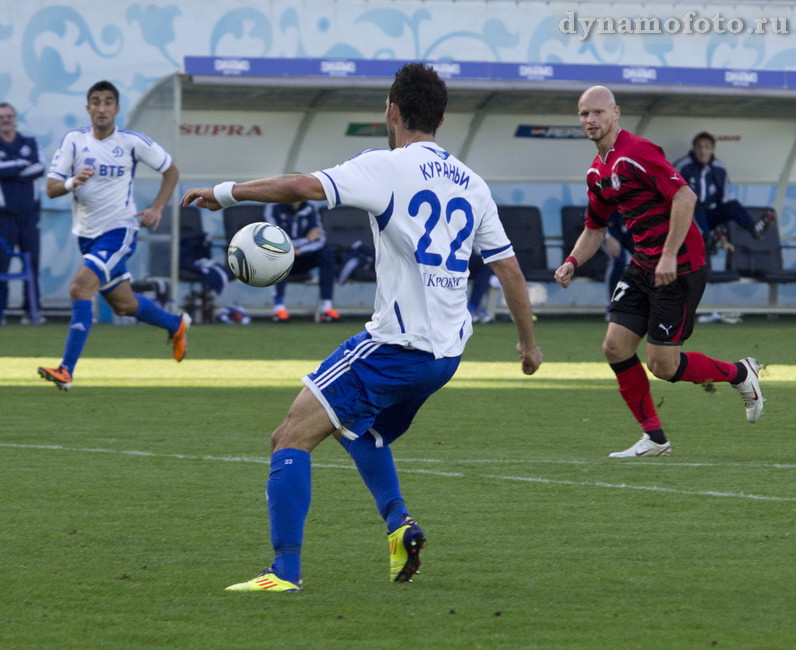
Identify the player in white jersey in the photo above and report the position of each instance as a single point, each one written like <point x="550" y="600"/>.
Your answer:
<point x="97" y="165"/>
<point x="427" y="210"/>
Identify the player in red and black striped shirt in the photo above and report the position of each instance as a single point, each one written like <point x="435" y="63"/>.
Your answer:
<point x="659" y="292"/>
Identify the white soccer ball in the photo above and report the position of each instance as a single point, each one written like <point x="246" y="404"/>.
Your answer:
<point x="260" y="254"/>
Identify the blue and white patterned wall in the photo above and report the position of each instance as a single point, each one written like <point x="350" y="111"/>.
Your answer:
<point x="52" y="52"/>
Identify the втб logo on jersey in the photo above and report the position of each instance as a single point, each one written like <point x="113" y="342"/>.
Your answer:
<point x="114" y="171"/>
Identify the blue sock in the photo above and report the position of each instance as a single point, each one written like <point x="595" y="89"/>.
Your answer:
<point x="149" y="312"/>
<point x="79" y="327"/>
<point x="288" y="491"/>
<point x="377" y="469"/>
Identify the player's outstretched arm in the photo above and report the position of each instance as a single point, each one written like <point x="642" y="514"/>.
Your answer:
<point x="287" y="188"/>
<point x="203" y="197"/>
<point x="516" y="294"/>
<point x="587" y="245"/>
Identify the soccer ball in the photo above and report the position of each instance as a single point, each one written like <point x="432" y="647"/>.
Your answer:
<point x="260" y="254"/>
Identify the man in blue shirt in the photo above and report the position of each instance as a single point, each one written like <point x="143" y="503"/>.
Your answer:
<point x="708" y="178"/>
<point x="302" y="222"/>
<point x="19" y="201"/>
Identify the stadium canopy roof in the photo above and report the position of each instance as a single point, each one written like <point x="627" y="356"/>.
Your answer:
<point x="278" y="84"/>
<point x="243" y="118"/>
<point x="295" y="96"/>
<point x="310" y="87"/>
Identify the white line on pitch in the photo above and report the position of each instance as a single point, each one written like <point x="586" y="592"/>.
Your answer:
<point x="648" y="488"/>
<point x="642" y="463"/>
<point x="225" y="459"/>
<point x="264" y="461"/>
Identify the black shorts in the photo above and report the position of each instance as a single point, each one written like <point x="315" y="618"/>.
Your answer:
<point x="666" y="314"/>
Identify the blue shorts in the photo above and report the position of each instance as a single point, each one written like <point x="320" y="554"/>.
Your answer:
<point x="106" y="255"/>
<point x="376" y="387"/>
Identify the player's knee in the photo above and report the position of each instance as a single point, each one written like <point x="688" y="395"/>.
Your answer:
<point x="80" y="290"/>
<point x="125" y="308"/>
<point x="275" y="441"/>
<point x="292" y="434"/>
<point x="615" y="352"/>
<point x="661" y="368"/>
<point x="281" y="437"/>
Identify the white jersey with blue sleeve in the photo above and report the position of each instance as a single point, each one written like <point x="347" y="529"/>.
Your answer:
<point x="427" y="211"/>
<point x="106" y="200"/>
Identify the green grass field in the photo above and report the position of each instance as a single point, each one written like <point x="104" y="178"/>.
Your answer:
<point x="129" y="503"/>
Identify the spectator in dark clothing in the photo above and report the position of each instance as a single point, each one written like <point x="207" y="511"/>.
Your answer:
<point x="302" y="222"/>
<point x="708" y="178"/>
<point x="19" y="204"/>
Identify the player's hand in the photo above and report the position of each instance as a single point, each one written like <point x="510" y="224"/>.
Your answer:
<point x="202" y="196"/>
<point x="564" y="273"/>
<point x="666" y="270"/>
<point x="531" y="359"/>
<point x="150" y="218"/>
<point x="82" y="176"/>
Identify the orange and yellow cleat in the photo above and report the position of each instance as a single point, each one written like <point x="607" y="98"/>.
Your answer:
<point x="267" y="581"/>
<point x="60" y="376"/>
<point x="179" y="339"/>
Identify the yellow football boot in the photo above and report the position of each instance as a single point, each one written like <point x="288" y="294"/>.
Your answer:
<point x="267" y="581"/>
<point x="405" y="544"/>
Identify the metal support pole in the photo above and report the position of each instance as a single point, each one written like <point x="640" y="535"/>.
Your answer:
<point x="174" y="272"/>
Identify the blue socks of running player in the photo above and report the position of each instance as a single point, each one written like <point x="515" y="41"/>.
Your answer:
<point x="149" y="312"/>
<point x="79" y="327"/>
<point x="377" y="469"/>
<point x="82" y="319"/>
<point x="288" y="491"/>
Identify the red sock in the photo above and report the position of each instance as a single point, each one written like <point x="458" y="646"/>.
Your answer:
<point x="634" y="387"/>
<point x="700" y="368"/>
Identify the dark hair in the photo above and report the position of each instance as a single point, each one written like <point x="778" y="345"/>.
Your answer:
<point x="420" y="95"/>
<point x="7" y="105"/>
<point x="102" y="86"/>
<point x="704" y="135"/>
